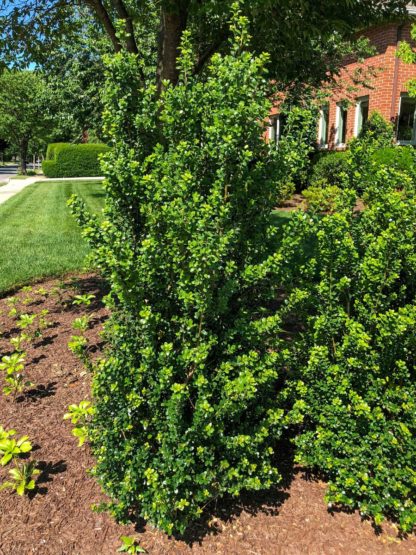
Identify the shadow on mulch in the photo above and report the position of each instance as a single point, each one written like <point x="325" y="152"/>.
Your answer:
<point x="84" y="286"/>
<point x="40" y="392"/>
<point x="228" y="509"/>
<point x="47" y="471"/>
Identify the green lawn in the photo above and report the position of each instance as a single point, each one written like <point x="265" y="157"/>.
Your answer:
<point x="39" y="237"/>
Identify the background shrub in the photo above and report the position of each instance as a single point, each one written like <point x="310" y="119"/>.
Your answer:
<point x="400" y="157"/>
<point x="70" y="160"/>
<point x="353" y="287"/>
<point x="331" y="168"/>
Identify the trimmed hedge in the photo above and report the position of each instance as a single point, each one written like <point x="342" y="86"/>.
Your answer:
<point x="68" y="160"/>
<point x="53" y="148"/>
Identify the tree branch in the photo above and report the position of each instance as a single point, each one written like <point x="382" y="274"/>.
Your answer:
<point x="124" y="14"/>
<point x="102" y="14"/>
<point x="206" y="55"/>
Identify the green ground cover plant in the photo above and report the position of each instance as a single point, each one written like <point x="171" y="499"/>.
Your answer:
<point x="39" y="236"/>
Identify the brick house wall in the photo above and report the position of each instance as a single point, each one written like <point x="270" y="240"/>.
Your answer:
<point x="386" y="79"/>
<point x="386" y="85"/>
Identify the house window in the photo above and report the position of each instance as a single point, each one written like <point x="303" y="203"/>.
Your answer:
<point x="323" y="131"/>
<point x="406" y="122"/>
<point x="361" y="114"/>
<point x="342" y="121"/>
<point x="276" y="127"/>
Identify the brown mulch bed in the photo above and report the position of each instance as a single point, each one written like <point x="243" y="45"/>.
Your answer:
<point x="57" y="518"/>
<point x="298" y="202"/>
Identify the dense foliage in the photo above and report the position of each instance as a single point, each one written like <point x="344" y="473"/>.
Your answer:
<point x="306" y="40"/>
<point x="68" y="160"/>
<point x="185" y="402"/>
<point x="401" y="158"/>
<point x="353" y="285"/>
<point x="331" y="168"/>
<point x="354" y="166"/>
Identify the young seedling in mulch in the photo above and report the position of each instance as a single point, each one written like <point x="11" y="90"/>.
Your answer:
<point x="42" y="292"/>
<point x="26" y="321"/>
<point x="84" y="300"/>
<point x="27" y="300"/>
<point x="18" y="342"/>
<point x="80" y="415"/>
<point x="13" y="303"/>
<point x="130" y="545"/>
<point x="43" y="323"/>
<point x="11" y="448"/>
<point x="78" y="344"/>
<point x="22" y="478"/>
<point x="34" y="323"/>
<point x="5" y="434"/>
<point x="15" y="379"/>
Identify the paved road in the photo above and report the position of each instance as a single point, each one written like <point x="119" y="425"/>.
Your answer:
<point x="7" y="171"/>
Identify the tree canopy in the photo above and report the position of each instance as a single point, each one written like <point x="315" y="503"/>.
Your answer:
<point x="305" y="38"/>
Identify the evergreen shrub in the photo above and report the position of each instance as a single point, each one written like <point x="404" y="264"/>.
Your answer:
<point x="331" y="168"/>
<point x="399" y="157"/>
<point x="70" y="160"/>
<point x="186" y="406"/>
<point x="353" y="371"/>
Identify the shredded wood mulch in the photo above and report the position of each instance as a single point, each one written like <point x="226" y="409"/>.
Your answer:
<point x="56" y="518"/>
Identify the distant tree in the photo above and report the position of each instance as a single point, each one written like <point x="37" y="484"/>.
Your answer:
<point x="24" y="111"/>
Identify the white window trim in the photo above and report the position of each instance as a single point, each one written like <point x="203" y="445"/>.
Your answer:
<point x="413" y="141"/>
<point x="275" y="118"/>
<point x="321" y="145"/>
<point x="357" y="113"/>
<point x="337" y="127"/>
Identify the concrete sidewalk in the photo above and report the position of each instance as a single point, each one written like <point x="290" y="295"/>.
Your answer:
<point x="16" y="185"/>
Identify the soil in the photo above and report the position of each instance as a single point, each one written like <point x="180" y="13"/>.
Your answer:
<point x="56" y="518"/>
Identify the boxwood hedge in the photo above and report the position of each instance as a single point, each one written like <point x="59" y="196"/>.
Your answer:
<point x="69" y="160"/>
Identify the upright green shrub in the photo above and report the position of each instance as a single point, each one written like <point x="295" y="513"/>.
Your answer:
<point x="185" y="402"/>
<point x="71" y="160"/>
<point x="297" y="145"/>
<point x="377" y="134"/>
<point x="353" y="287"/>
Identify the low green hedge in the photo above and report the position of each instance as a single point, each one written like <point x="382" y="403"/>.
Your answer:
<point x="70" y="160"/>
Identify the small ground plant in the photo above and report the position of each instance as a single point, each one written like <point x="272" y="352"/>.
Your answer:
<point x="80" y="415"/>
<point x="22" y="476"/>
<point x="13" y="367"/>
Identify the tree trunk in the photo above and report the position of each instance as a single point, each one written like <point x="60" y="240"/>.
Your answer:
<point x="172" y="25"/>
<point x="24" y="145"/>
